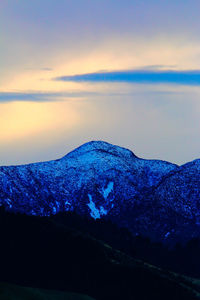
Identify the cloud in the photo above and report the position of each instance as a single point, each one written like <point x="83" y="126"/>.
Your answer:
<point x="52" y="97"/>
<point x="157" y="67"/>
<point x="41" y="69"/>
<point x="188" y="77"/>
<point x="35" y="97"/>
<point x="40" y="97"/>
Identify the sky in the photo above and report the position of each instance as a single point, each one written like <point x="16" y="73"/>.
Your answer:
<point x="126" y="72"/>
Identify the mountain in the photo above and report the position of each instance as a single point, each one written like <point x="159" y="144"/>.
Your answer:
<point x="15" y="292"/>
<point x="39" y="253"/>
<point x="181" y="191"/>
<point x="99" y="180"/>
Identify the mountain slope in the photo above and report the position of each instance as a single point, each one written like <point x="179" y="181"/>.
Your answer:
<point x="179" y="194"/>
<point x="181" y="191"/>
<point x="38" y="252"/>
<point x="14" y="292"/>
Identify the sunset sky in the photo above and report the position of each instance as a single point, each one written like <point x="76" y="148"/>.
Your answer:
<point x="126" y="72"/>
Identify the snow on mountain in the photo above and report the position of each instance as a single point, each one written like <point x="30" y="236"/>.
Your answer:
<point x="181" y="191"/>
<point x="101" y="180"/>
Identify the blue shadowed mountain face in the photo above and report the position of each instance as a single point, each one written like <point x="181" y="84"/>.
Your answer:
<point x="99" y="180"/>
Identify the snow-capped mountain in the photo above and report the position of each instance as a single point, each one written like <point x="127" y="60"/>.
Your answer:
<point x="100" y="180"/>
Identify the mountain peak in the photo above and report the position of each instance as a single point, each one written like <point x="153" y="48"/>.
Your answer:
<point x="103" y="147"/>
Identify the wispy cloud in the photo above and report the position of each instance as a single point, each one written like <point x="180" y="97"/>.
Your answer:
<point x="52" y="97"/>
<point x="188" y="77"/>
<point x="63" y="96"/>
<point x="35" y="97"/>
<point x="39" y="96"/>
<point x="157" y="67"/>
<point x="41" y="69"/>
